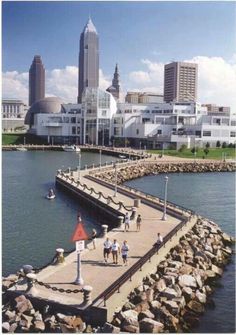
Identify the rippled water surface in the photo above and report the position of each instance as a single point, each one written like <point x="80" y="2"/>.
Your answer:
<point x="34" y="227"/>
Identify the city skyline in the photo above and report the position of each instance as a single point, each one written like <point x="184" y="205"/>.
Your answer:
<point x="141" y="62"/>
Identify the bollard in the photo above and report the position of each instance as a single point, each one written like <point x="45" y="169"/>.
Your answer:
<point x="134" y="212"/>
<point x="104" y="230"/>
<point x="93" y="166"/>
<point x="99" y="195"/>
<point x="60" y="256"/>
<point x="120" y="221"/>
<point x="87" y="291"/>
<point x="137" y="203"/>
<point x="27" y="269"/>
<point x="31" y="277"/>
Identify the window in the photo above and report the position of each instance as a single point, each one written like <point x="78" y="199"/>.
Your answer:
<point x="206" y="133"/>
<point x="137" y="131"/>
<point x="233" y="123"/>
<point x="78" y="130"/>
<point x="233" y="134"/>
<point x="104" y="113"/>
<point x="73" y="120"/>
<point x="73" y="130"/>
<point x="159" y="132"/>
<point x="198" y="133"/>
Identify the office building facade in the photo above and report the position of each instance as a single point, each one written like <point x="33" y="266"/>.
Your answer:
<point x="88" y="59"/>
<point x="36" y="80"/>
<point x="180" y="82"/>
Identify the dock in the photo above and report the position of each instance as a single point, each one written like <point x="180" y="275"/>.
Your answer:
<point x="107" y="285"/>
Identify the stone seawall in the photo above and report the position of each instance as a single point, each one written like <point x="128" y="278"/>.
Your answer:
<point x="172" y="298"/>
<point x="142" y="169"/>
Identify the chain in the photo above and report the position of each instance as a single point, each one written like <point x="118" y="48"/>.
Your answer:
<point x="61" y="290"/>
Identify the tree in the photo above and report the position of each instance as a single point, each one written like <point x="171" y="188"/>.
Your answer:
<point x="218" y="144"/>
<point x="206" y="151"/>
<point x="224" y="145"/>
<point x="194" y="150"/>
<point x="207" y="145"/>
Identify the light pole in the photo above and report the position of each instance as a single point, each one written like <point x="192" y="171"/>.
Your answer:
<point x="79" y="166"/>
<point x="115" y="180"/>
<point x="164" y="211"/>
<point x="100" y="158"/>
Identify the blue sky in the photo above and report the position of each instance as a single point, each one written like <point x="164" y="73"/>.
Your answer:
<point x="129" y="33"/>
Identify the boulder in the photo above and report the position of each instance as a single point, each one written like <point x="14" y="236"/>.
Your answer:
<point x="5" y="327"/>
<point x="10" y="315"/>
<point x="226" y="239"/>
<point x="160" y="285"/>
<point x="150" y="326"/>
<point x="13" y="327"/>
<point x="180" y="301"/>
<point x="142" y="306"/>
<point x="65" y="328"/>
<point x="39" y="325"/>
<point x="169" y="293"/>
<point x="187" y="293"/>
<point x="170" y="279"/>
<point x="187" y="280"/>
<point x="146" y="314"/>
<point x="108" y="328"/>
<point x="128" y="305"/>
<point x="200" y="297"/>
<point x="171" y="306"/>
<point x="186" y="269"/>
<point x="23" y="305"/>
<point x="217" y="270"/>
<point x="196" y="307"/>
<point x="175" y="264"/>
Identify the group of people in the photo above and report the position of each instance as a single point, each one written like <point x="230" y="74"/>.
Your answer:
<point x="115" y="249"/>
<point x="127" y="222"/>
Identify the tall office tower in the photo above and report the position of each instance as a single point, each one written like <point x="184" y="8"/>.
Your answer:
<point x="180" y="82"/>
<point x="114" y="89"/>
<point x="36" y="80"/>
<point x="88" y="59"/>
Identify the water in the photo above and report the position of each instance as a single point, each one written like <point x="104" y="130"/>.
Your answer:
<point x="34" y="227"/>
<point x="213" y="196"/>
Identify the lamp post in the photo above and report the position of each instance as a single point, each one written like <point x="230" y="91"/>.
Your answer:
<point x="164" y="211"/>
<point x="115" y="180"/>
<point x="100" y="158"/>
<point x="79" y="166"/>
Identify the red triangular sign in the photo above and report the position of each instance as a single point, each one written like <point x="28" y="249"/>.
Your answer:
<point x="79" y="233"/>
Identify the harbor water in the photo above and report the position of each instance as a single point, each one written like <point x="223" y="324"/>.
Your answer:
<point x="33" y="227"/>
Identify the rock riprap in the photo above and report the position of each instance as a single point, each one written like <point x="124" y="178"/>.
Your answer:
<point x="182" y="285"/>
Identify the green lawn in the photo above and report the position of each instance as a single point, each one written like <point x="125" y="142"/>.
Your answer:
<point x="215" y="153"/>
<point x="19" y="139"/>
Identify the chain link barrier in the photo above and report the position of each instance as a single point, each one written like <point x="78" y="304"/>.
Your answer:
<point x="61" y="290"/>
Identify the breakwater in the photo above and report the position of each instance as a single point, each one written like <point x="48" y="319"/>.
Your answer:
<point x="147" y="168"/>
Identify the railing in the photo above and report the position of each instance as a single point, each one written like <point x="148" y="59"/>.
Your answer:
<point x="115" y="287"/>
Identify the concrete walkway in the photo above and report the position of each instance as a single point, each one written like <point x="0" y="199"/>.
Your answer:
<point x="94" y="271"/>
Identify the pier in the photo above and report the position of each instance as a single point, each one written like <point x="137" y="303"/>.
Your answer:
<point x="106" y="286"/>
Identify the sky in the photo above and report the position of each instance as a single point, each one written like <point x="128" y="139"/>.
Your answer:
<point x="140" y="36"/>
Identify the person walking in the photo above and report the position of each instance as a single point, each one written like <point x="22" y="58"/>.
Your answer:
<point x="159" y="239"/>
<point x="107" y="249"/>
<point x="124" y="252"/>
<point x="115" y="249"/>
<point x="127" y="222"/>
<point x="138" y="222"/>
<point x="94" y="235"/>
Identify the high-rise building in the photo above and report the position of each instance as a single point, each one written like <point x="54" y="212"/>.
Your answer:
<point x="88" y="59"/>
<point x="114" y="89"/>
<point x="36" y="80"/>
<point x="180" y="82"/>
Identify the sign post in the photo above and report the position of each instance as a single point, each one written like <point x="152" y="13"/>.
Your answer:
<point x="78" y="237"/>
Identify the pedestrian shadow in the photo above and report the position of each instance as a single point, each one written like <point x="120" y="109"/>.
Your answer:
<point x="100" y="263"/>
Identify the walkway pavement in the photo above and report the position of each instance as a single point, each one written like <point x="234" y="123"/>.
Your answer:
<point x="94" y="271"/>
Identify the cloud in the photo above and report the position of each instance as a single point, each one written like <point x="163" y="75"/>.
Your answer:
<point x="62" y="83"/>
<point x="216" y="79"/>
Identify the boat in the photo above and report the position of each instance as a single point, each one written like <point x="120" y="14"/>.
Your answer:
<point x="51" y="195"/>
<point x="70" y="148"/>
<point x="21" y="149"/>
<point x="122" y="156"/>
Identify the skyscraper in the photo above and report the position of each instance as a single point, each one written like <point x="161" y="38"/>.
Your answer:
<point x="114" y="89"/>
<point x="88" y="59"/>
<point x="36" y="80"/>
<point x="180" y="82"/>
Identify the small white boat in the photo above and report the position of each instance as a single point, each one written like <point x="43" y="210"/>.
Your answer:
<point x="122" y="156"/>
<point x="21" y="149"/>
<point x="70" y="148"/>
<point x="50" y="197"/>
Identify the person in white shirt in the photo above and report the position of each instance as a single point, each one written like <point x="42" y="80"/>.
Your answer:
<point x="115" y="248"/>
<point x="107" y="249"/>
<point x="127" y="221"/>
<point x="159" y="239"/>
<point x="124" y="252"/>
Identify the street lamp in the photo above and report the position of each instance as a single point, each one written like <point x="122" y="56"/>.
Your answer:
<point x="115" y="180"/>
<point x="79" y="166"/>
<point x="164" y="211"/>
<point x="100" y="158"/>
